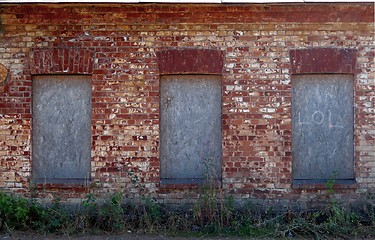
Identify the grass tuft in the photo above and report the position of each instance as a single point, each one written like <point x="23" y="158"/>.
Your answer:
<point x="211" y="216"/>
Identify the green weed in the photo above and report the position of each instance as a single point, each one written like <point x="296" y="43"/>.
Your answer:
<point x="14" y="212"/>
<point x="110" y="214"/>
<point x="212" y="215"/>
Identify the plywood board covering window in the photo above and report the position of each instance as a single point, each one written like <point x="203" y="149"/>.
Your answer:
<point x="61" y="128"/>
<point x="190" y="125"/>
<point x="323" y="122"/>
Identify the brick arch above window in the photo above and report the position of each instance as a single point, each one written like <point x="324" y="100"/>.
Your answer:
<point x="190" y="61"/>
<point x="61" y="60"/>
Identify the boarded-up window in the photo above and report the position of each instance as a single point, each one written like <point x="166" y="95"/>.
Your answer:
<point x="61" y="128"/>
<point x="190" y="125"/>
<point x="323" y="123"/>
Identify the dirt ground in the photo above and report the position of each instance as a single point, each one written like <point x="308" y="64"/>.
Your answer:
<point x="32" y="236"/>
<point x="126" y="236"/>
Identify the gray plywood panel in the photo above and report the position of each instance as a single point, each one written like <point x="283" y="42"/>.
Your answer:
<point x="61" y="128"/>
<point x="323" y="122"/>
<point x="190" y="127"/>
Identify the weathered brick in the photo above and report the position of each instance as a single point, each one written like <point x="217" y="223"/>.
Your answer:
<point x="120" y="46"/>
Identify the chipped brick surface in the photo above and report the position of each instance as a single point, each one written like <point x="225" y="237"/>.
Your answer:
<point x="122" y="45"/>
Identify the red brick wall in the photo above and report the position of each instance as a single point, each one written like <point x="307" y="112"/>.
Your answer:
<point x="117" y="45"/>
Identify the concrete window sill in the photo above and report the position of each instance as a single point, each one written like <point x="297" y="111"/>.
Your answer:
<point x="185" y="183"/>
<point x="61" y="183"/>
<point x="322" y="184"/>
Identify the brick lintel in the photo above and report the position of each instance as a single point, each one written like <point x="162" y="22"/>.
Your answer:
<point x="190" y="61"/>
<point x="61" y="60"/>
<point x="323" y="60"/>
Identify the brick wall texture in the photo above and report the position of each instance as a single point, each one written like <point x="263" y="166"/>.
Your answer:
<point x="119" y="46"/>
